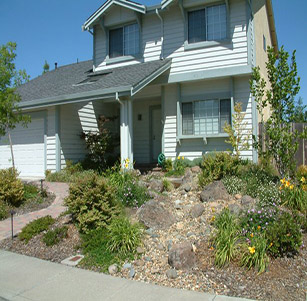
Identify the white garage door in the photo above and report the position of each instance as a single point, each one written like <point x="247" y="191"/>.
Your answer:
<point x="28" y="146"/>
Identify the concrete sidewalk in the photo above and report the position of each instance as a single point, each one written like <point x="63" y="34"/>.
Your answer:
<point x="28" y="278"/>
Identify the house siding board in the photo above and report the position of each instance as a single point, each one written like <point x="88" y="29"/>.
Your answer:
<point x="50" y="140"/>
<point x="227" y="55"/>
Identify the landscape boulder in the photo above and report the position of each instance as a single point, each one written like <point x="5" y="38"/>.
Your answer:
<point x="214" y="191"/>
<point x="181" y="256"/>
<point x="154" y="215"/>
<point x="197" y="210"/>
<point x="156" y="185"/>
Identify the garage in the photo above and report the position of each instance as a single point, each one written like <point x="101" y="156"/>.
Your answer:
<point x="28" y="146"/>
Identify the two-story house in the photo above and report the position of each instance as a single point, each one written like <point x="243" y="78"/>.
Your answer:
<point x="171" y="73"/>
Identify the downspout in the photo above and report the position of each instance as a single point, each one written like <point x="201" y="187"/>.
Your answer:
<point x="162" y="34"/>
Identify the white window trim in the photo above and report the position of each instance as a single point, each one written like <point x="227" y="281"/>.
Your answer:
<point x="204" y="44"/>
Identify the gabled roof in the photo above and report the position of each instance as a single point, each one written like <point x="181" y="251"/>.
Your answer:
<point x="77" y="82"/>
<point x="102" y="9"/>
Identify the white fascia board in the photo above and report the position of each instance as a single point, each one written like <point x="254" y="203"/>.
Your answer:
<point x="127" y="4"/>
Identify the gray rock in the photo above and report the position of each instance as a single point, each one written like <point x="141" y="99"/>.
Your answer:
<point x="234" y="209"/>
<point x="181" y="256"/>
<point x="147" y="258"/>
<point x="113" y="269"/>
<point x="196" y="169"/>
<point x="186" y="187"/>
<point x="169" y="244"/>
<point x="214" y="191"/>
<point x="140" y="250"/>
<point x="248" y="202"/>
<point x="197" y="210"/>
<point x="160" y="247"/>
<point x="171" y="273"/>
<point x="203" y="220"/>
<point x="131" y="273"/>
<point x="175" y="181"/>
<point x="156" y="185"/>
<point x="127" y="266"/>
<point x="155" y="216"/>
<point x="189" y="234"/>
<point x="178" y="204"/>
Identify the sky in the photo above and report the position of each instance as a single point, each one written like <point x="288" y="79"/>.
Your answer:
<point x="51" y="30"/>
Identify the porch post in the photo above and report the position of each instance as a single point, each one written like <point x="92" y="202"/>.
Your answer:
<point x="126" y="132"/>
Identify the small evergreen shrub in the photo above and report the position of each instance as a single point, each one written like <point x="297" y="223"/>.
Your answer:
<point x="35" y="227"/>
<point x="92" y="203"/>
<point x="284" y="236"/>
<point x="53" y="237"/>
<point x="4" y="210"/>
<point x="216" y="166"/>
<point x="11" y="188"/>
<point x="30" y="191"/>
<point x="124" y="237"/>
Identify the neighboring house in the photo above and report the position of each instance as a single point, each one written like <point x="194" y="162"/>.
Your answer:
<point x="171" y="73"/>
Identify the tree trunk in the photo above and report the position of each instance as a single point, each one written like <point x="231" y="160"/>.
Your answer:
<point x="11" y="146"/>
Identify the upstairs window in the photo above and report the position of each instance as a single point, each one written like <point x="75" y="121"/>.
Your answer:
<point x="124" y="41"/>
<point x="208" y="24"/>
<point x="206" y="117"/>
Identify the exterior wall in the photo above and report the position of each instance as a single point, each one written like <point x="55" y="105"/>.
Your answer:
<point x="78" y="118"/>
<point x="195" y="148"/>
<point x="141" y="129"/>
<point x="50" y="140"/>
<point x="234" y="53"/>
<point x="261" y="24"/>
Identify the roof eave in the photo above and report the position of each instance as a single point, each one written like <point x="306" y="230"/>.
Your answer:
<point x="127" y="4"/>
<point x="272" y="25"/>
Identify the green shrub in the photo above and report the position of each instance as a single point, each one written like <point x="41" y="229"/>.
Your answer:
<point x="284" y="236"/>
<point x="216" y="166"/>
<point x="254" y="253"/>
<point x="124" y="237"/>
<point x="301" y="172"/>
<point x="226" y="239"/>
<point x="234" y="185"/>
<point x="293" y="196"/>
<point x="11" y="188"/>
<point x="30" y="191"/>
<point x="53" y="237"/>
<point x="167" y="185"/>
<point x="168" y="165"/>
<point x="35" y="227"/>
<point x="4" y="210"/>
<point x="92" y="203"/>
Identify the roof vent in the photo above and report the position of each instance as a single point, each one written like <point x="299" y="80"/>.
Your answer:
<point x="55" y="66"/>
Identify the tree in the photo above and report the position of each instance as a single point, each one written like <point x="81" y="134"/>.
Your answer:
<point x="281" y="141"/>
<point x="46" y="67"/>
<point x="10" y="79"/>
<point x="238" y="134"/>
<point x="300" y="112"/>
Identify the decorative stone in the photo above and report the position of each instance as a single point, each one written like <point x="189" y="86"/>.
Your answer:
<point x="214" y="191"/>
<point x="169" y="244"/>
<point x="155" y="216"/>
<point x="248" y="202"/>
<point x="189" y="234"/>
<point x="196" y="169"/>
<point x="156" y="185"/>
<point x="186" y="187"/>
<point x="175" y="181"/>
<point x="140" y="250"/>
<point x="147" y="258"/>
<point x="180" y="225"/>
<point x="238" y="196"/>
<point x="131" y="273"/>
<point x="171" y="273"/>
<point x="197" y="210"/>
<point x="181" y="256"/>
<point x="127" y="266"/>
<point x="113" y="269"/>
<point x="234" y="208"/>
<point x="160" y="247"/>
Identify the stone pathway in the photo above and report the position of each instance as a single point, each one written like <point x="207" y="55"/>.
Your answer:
<point x="55" y="209"/>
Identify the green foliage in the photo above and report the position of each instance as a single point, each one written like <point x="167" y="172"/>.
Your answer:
<point x="35" y="227"/>
<point x="11" y="188"/>
<point x="293" y="196"/>
<point x="226" y="239"/>
<point x="168" y="165"/>
<point x="285" y="236"/>
<point x="167" y="185"/>
<point x="255" y="253"/>
<point x="124" y="237"/>
<point x="238" y="135"/>
<point x="30" y="191"/>
<point x="216" y="166"/>
<point x="4" y="210"/>
<point x="97" y="254"/>
<point x="92" y="203"/>
<point x="100" y="144"/>
<point x="281" y="143"/>
<point x="126" y="185"/>
<point x="300" y="112"/>
<point x="301" y="172"/>
<point x="46" y="67"/>
<point x="53" y="237"/>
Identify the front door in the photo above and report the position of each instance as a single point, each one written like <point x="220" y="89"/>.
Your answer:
<point x="156" y="132"/>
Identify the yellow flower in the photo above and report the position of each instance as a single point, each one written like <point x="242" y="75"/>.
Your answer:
<point x="259" y="227"/>
<point x="291" y="187"/>
<point x="127" y="160"/>
<point x="251" y="250"/>
<point x="271" y="244"/>
<point x="287" y="184"/>
<point x="213" y="209"/>
<point x="303" y="179"/>
<point x="126" y="165"/>
<point x="182" y="157"/>
<point x="283" y="181"/>
<point x="211" y="248"/>
<point x="213" y="218"/>
<point x="280" y="187"/>
<point x="252" y="235"/>
<point x="178" y="158"/>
